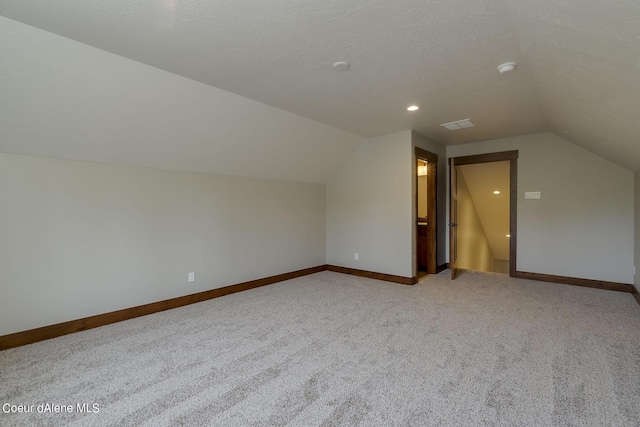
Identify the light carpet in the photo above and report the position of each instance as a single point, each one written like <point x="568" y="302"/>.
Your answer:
<point x="331" y="349"/>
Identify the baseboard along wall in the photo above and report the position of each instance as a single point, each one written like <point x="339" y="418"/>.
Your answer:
<point x="46" y="332"/>
<point x="52" y="331"/>
<point x="575" y="281"/>
<point x="373" y="275"/>
<point x="442" y="267"/>
<point x="636" y="293"/>
<point x="599" y="284"/>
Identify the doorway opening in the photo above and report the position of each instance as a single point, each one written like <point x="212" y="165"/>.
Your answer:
<point x="426" y="166"/>
<point x="482" y="213"/>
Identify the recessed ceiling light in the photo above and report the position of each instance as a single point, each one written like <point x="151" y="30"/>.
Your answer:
<point x="508" y="235"/>
<point x="413" y="108"/>
<point x="341" y="66"/>
<point x="496" y="192"/>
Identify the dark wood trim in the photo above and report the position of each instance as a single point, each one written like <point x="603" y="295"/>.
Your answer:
<point x="487" y="158"/>
<point x="513" y="214"/>
<point x="426" y="155"/>
<point x="432" y="205"/>
<point x="39" y="334"/>
<point x="453" y="217"/>
<point x="373" y="275"/>
<point x="599" y="284"/>
<point x="442" y="267"/>
<point x="636" y="293"/>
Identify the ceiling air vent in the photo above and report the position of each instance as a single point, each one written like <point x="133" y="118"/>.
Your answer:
<point x="458" y="124"/>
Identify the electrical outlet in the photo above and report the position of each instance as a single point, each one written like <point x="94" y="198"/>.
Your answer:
<point x="192" y="277"/>
<point x="356" y="256"/>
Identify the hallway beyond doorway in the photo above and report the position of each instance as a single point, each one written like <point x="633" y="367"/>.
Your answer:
<point x="483" y="217"/>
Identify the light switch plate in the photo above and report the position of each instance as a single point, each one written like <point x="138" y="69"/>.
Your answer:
<point x="531" y="194"/>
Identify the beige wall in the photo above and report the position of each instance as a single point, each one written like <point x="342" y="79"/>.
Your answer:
<point x="369" y="207"/>
<point x="583" y="224"/>
<point x="474" y="252"/>
<point x="79" y="239"/>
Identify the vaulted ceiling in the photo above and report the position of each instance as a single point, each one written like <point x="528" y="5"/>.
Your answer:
<point x="577" y="74"/>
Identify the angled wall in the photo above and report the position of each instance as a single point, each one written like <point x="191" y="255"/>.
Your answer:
<point x="73" y="101"/>
<point x="79" y="239"/>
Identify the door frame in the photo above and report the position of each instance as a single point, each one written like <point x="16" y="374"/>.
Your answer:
<point x="453" y="217"/>
<point x="512" y="157"/>
<point x="432" y="207"/>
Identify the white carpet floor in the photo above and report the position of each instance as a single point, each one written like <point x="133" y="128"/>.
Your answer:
<point x="330" y="349"/>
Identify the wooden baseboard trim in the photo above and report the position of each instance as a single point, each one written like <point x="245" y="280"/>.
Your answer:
<point x="39" y="334"/>
<point x="599" y="284"/>
<point x="373" y="275"/>
<point x="442" y="267"/>
<point x="636" y="293"/>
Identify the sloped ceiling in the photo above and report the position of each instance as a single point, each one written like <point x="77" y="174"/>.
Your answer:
<point x="63" y="99"/>
<point x="578" y="72"/>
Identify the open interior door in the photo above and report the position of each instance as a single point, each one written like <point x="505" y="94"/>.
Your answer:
<point x="453" y="217"/>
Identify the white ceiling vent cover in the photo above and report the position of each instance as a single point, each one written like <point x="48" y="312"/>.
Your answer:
<point x="458" y="124"/>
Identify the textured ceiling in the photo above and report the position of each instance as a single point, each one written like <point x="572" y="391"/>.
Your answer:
<point x="493" y="210"/>
<point x="67" y="100"/>
<point x="578" y="61"/>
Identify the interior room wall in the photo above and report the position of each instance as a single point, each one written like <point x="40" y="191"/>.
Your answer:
<point x="79" y="239"/>
<point x="369" y="207"/>
<point x="420" y="141"/>
<point x="474" y="251"/>
<point x="582" y="225"/>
